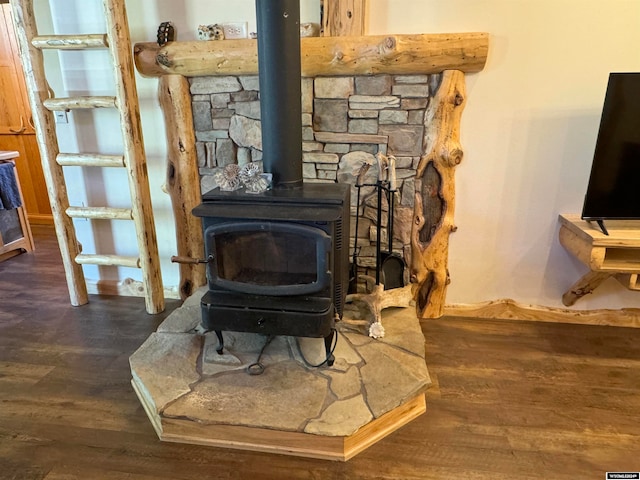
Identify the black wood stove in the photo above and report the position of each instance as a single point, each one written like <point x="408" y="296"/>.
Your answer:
<point x="278" y="260"/>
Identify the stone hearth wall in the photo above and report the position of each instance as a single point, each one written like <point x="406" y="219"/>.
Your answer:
<point x="346" y="121"/>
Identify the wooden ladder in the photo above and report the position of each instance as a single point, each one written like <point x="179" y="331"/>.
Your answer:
<point x="43" y="104"/>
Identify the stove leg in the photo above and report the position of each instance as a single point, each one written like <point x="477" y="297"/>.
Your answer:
<point x="220" y="348"/>
<point x="328" y="342"/>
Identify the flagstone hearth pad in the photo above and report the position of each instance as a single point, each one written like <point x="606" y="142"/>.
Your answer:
<point x="192" y="394"/>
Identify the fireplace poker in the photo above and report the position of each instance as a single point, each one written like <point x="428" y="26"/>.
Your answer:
<point x="382" y="178"/>
<point x="392" y="264"/>
<point x="353" y="274"/>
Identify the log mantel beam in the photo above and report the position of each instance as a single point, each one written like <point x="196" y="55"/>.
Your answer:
<point x="322" y="56"/>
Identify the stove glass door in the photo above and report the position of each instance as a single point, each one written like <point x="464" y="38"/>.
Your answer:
<point x="268" y="258"/>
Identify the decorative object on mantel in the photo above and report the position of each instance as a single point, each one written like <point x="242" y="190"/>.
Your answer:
<point x="166" y="33"/>
<point x="228" y="179"/>
<point x="232" y="177"/>
<point x="253" y="179"/>
<point x="309" y="30"/>
<point x="210" y="32"/>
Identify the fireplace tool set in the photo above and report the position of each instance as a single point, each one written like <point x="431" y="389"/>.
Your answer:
<point x="389" y="265"/>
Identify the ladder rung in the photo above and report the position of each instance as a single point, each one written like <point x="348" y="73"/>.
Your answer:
<point x="100" y="213"/>
<point x="71" y="103"/>
<point x="71" y="42"/>
<point x="114" y="260"/>
<point x="89" y="160"/>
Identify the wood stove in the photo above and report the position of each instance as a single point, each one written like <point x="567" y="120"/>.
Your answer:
<point x="278" y="260"/>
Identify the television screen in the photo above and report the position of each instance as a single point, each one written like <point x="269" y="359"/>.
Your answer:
<point x="614" y="184"/>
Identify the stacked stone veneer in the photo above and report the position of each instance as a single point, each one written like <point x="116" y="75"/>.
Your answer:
<point x="345" y="122"/>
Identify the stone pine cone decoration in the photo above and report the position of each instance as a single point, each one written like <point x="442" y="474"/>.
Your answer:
<point x="252" y="179"/>
<point x="232" y="177"/>
<point x="228" y="179"/>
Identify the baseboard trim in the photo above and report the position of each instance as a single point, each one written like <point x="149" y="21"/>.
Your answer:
<point x="507" y="309"/>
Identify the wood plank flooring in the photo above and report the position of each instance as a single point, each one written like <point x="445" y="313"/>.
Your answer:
<point x="510" y="399"/>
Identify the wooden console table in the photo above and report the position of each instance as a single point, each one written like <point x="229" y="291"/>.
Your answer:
<point x="616" y="254"/>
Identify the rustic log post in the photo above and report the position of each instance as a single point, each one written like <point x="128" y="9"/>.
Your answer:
<point x="183" y="179"/>
<point x="435" y="195"/>
<point x="343" y="18"/>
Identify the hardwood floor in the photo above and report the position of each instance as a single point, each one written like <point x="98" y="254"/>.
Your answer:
<point x="510" y="399"/>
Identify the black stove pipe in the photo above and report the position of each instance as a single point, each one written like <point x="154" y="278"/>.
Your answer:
<point x="278" y="23"/>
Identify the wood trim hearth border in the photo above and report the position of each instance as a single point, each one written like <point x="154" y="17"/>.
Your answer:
<point x="339" y="448"/>
<point x="507" y="309"/>
<point x="451" y="55"/>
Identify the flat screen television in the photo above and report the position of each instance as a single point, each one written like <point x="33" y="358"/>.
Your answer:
<point x="614" y="184"/>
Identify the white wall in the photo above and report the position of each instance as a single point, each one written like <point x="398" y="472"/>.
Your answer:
<point x="528" y="130"/>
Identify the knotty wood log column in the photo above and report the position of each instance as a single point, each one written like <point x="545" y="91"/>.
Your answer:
<point x="344" y="17"/>
<point x="435" y="195"/>
<point x="183" y="180"/>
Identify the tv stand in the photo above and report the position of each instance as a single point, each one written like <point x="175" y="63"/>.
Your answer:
<point x="613" y="253"/>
